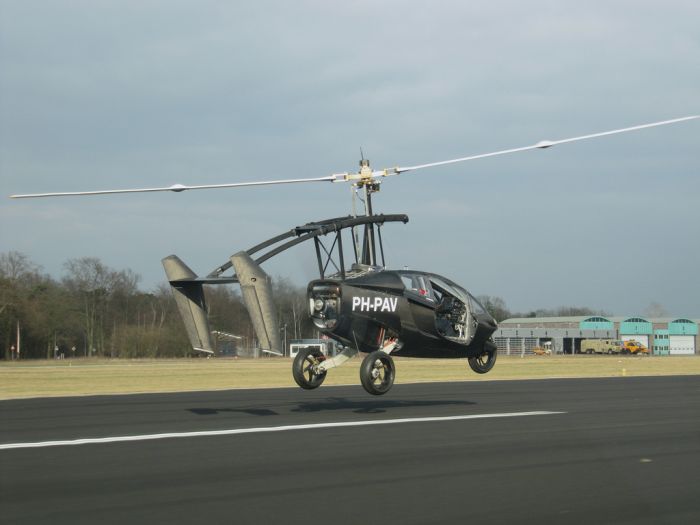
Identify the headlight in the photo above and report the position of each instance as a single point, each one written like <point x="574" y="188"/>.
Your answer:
<point x="324" y="304"/>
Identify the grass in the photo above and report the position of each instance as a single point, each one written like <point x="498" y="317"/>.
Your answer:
<point x="97" y="376"/>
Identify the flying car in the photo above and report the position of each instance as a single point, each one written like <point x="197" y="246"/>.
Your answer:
<point x="401" y="313"/>
<point x="357" y="300"/>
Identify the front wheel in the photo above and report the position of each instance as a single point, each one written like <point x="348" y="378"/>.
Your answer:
<point x="377" y="373"/>
<point x="305" y="368"/>
<point x="484" y="362"/>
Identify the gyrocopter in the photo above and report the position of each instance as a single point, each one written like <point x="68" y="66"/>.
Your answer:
<point x="357" y="301"/>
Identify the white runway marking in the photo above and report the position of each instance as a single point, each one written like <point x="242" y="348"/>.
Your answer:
<point x="234" y="431"/>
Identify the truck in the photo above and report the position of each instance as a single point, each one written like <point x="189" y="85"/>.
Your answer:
<point x="601" y="346"/>
<point x="634" y="347"/>
<point x="545" y="349"/>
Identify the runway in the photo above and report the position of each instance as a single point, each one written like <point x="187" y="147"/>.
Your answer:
<point x="617" y="450"/>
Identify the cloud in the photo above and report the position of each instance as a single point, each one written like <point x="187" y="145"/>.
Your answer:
<point x="119" y="94"/>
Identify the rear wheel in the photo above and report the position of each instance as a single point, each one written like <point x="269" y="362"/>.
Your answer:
<point x="305" y="368"/>
<point x="484" y="362"/>
<point x="377" y="373"/>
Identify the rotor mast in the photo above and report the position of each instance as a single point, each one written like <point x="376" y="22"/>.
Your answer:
<point x="366" y="181"/>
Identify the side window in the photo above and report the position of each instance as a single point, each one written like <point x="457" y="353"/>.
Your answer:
<point x="437" y="293"/>
<point x="476" y="306"/>
<point x="419" y="285"/>
<point x="407" y="281"/>
<point x="424" y="288"/>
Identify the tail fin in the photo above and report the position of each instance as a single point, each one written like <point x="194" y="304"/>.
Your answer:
<point x="256" y="288"/>
<point x="189" y="296"/>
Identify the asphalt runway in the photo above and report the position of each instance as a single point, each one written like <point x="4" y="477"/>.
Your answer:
<point x="617" y="450"/>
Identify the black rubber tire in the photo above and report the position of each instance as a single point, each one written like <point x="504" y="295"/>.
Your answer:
<point x="302" y="368"/>
<point x="377" y="373"/>
<point x="483" y="363"/>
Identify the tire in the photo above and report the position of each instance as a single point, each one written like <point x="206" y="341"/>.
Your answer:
<point x="377" y="373"/>
<point x="483" y="363"/>
<point x="589" y="351"/>
<point x="303" y="368"/>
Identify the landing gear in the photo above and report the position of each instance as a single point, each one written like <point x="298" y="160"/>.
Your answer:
<point x="305" y="368"/>
<point x="377" y="373"/>
<point x="484" y="362"/>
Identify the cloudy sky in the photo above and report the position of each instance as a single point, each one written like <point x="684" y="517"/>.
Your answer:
<point x="97" y="95"/>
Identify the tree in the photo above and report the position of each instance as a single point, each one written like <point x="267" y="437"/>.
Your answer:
<point x="19" y="280"/>
<point x="93" y="306"/>
<point x="495" y="306"/>
<point x="563" y="311"/>
<point x="292" y="308"/>
<point x="103" y="297"/>
<point x="16" y="266"/>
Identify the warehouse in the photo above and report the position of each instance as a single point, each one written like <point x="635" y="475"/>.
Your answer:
<point x="663" y="336"/>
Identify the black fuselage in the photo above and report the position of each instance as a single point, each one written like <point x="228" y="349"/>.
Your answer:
<point x="428" y="315"/>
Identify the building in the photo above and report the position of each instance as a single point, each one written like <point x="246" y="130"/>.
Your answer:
<point x="664" y="336"/>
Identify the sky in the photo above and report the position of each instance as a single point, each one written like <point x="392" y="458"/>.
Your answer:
<point x="120" y="94"/>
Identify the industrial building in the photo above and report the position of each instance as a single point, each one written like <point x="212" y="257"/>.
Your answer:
<point x="663" y="336"/>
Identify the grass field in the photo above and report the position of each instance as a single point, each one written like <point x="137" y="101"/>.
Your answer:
<point x="95" y="376"/>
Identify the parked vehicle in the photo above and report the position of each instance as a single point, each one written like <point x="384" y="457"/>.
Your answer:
<point x="325" y="346"/>
<point x="634" y="347"/>
<point x="601" y="346"/>
<point x="545" y="349"/>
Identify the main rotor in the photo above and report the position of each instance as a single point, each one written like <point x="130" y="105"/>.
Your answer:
<point x="366" y="178"/>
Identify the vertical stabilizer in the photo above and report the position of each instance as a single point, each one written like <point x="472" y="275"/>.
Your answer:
<point x="256" y="288"/>
<point x="189" y="296"/>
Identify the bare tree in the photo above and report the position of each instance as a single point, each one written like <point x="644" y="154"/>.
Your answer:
<point x="16" y="266"/>
<point x="94" y="284"/>
<point x="495" y="306"/>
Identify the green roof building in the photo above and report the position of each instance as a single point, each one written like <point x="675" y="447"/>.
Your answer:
<point x="663" y="336"/>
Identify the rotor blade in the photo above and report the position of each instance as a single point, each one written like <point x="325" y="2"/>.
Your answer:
<point x="175" y="188"/>
<point x="540" y="145"/>
<point x="346" y="177"/>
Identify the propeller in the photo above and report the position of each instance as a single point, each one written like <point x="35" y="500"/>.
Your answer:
<point x="366" y="174"/>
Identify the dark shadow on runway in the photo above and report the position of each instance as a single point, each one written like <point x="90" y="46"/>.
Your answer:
<point x="372" y="405"/>
<point x="369" y="406"/>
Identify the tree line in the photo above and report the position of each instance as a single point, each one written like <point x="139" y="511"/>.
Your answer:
<point x="97" y="311"/>
<point x="94" y="310"/>
<point x="498" y="309"/>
